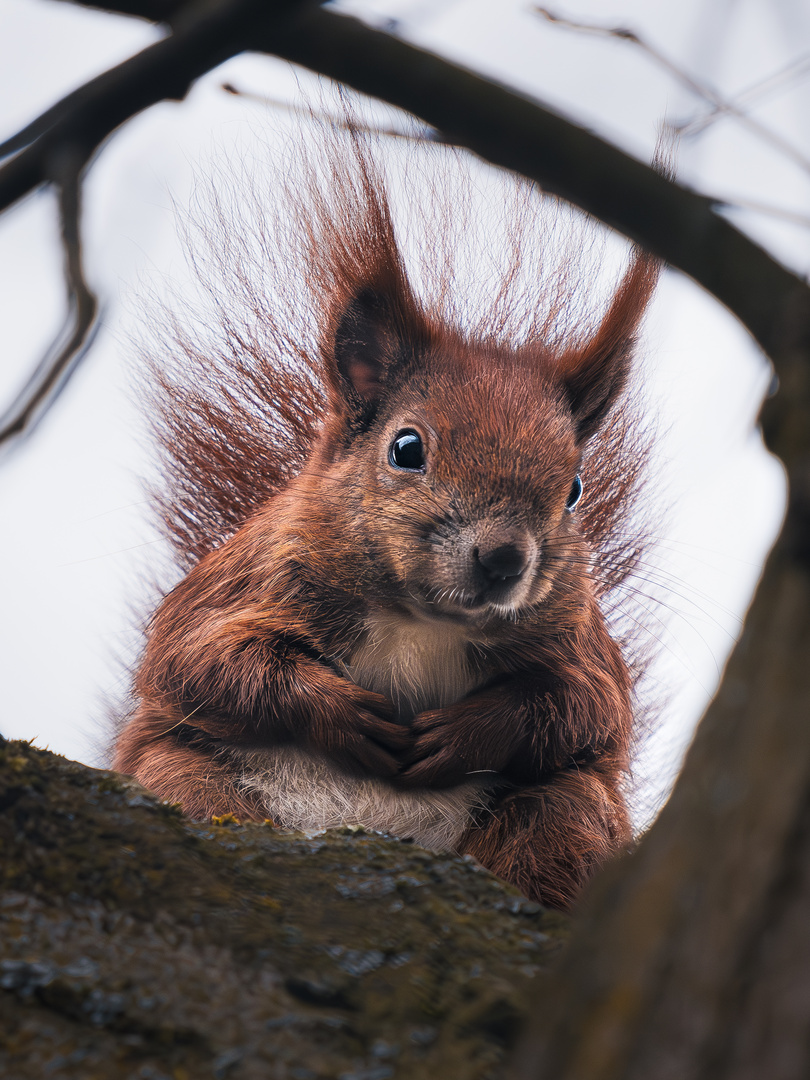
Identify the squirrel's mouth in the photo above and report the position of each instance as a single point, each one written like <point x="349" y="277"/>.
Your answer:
<point x="501" y="599"/>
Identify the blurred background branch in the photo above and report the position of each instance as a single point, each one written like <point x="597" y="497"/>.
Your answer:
<point x="720" y="106"/>
<point x="50" y="374"/>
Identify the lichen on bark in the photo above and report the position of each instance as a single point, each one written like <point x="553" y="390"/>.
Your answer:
<point x="137" y="943"/>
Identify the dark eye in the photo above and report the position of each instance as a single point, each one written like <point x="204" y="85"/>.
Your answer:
<point x="407" y="451"/>
<point x="575" y="495"/>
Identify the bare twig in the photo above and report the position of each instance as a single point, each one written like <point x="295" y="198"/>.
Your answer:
<point x="776" y="81"/>
<point x="425" y="135"/>
<point x="53" y="370"/>
<point x="791" y="73"/>
<point x="431" y="135"/>
<point x="720" y="106"/>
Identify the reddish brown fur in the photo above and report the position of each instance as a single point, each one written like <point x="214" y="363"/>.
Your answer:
<point x="297" y="530"/>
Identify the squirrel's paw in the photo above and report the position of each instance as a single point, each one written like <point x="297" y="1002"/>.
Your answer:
<point x="375" y="748"/>
<point x="439" y="756"/>
<point x="452" y="744"/>
<point x="360" y="737"/>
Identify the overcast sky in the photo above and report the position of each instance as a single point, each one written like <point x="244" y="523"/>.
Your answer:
<point x="77" y="543"/>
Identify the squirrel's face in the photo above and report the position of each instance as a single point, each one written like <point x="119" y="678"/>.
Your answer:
<point x="465" y="492"/>
<point x="457" y="461"/>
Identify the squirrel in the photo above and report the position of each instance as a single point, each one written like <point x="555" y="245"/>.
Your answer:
<point x="394" y="611"/>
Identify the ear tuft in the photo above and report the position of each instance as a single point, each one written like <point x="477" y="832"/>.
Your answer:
<point x="366" y="344"/>
<point x="595" y="375"/>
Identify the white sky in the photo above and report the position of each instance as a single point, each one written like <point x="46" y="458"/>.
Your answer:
<point x="76" y="541"/>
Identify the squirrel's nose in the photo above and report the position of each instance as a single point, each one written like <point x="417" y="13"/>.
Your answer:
<point x="507" y="560"/>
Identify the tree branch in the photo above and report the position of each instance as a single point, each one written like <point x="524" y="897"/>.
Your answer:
<point x="205" y="34"/>
<point x="515" y="132"/>
<point x="502" y="126"/>
<point x="56" y="147"/>
<point x="55" y="367"/>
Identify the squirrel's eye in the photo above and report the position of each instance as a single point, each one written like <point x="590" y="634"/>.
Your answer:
<point x="407" y="451"/>
<point x="576" y="494"/>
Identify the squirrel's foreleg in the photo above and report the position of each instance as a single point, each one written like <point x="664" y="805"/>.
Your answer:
<point x="549" y="840"/>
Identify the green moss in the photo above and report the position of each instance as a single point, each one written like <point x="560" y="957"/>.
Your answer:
<point x="132" y="939"/>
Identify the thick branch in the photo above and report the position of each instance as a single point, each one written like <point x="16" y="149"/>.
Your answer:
<point x="500" y="125"/>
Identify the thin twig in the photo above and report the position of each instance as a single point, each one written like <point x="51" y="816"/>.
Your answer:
<point x="60" y="360"/>
<point x="721" y="107"/>
<point x="425" y="135"/>
<point x="431" y="135"/>
<point x="776" y="81"/>
<point x="734" y="203"/>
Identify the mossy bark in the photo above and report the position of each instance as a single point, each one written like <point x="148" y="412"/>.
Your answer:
<point x="136" y="943"/>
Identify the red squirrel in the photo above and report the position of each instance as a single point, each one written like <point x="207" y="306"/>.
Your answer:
<point x="393" y="610"/>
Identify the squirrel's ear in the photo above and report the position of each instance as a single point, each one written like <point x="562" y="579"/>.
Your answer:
<point x="366" y="344"/>
<point x="594" y="375"/>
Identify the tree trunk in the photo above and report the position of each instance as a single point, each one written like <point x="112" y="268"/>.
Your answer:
<point x="692" y="960"/>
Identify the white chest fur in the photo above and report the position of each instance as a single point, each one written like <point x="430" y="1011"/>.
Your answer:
<point x="419" y="664"/>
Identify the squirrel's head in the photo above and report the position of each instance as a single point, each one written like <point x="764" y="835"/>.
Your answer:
<point x="458" y="463"/>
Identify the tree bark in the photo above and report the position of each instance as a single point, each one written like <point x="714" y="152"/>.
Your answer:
<point x="135" y="943"/>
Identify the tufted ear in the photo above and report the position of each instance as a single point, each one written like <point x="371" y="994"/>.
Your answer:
<point x="368" y="342"/>
<point x="595" y="374"/>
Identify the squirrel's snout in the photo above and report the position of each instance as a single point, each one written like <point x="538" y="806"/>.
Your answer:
<point x="499" y="564"/>
<point x="503" y="561"/>
<point x="486" y="565"/>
